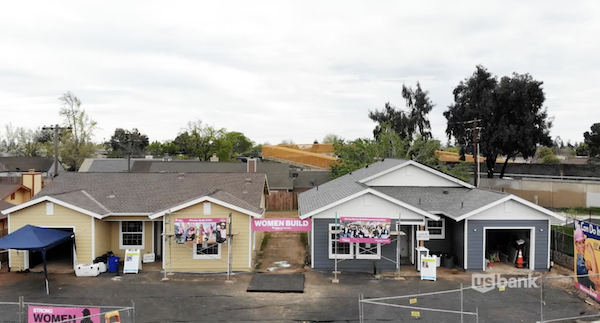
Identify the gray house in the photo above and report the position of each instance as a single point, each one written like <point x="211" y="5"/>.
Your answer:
<point x="464" y="222"/>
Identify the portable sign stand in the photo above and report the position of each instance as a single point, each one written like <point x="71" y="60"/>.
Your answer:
<point x="133" y="261"/>
<point x="428" y="269"/>
<point x="398" y="233"/>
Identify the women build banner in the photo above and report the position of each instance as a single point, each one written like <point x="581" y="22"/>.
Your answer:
<point x="200" y="231"/>
<point x="365" y="230"/>
<point x="62" y="314"/>
<point x="587" y="254"/>
<point x="281" y="225"/>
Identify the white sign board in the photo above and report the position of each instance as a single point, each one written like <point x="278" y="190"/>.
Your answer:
<point x="428" y="268"/>
<point x="423" y="235"/>
<point x="149" y="257"/>
<point x="133" y="262"/>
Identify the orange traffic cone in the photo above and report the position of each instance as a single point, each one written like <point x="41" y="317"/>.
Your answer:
<point x="520" y="260"/>
<point x="114" y="315"/>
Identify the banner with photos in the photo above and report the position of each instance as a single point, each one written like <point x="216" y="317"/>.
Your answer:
<point x="365" y="230"/>
<point x="200" y="231"/>
<point x="587" y="258"/>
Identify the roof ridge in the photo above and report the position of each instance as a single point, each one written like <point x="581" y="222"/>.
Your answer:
<point x="95" y="201"/>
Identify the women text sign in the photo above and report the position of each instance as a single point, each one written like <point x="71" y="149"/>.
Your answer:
<point x="62" y="314"/>
<point x="200" y="230"/>
<point x="281" y="225"/>
<point x="365" y="230"/>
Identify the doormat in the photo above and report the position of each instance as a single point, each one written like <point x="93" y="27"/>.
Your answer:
<point x="277" y="283"/>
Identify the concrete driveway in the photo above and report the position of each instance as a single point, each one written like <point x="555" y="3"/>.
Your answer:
<point x="209" y="299"/>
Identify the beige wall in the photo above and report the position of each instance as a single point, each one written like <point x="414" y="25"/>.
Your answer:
<point x="62" y="218"/>
<point x="33" y="181"/>
<point x="102" y="237"/>
<point x="115" y="239"/>
<point x="241" y="244"/>
<point x="21" y="196"/>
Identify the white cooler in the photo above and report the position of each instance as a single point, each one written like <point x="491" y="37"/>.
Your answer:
<point x="102" y="267"/>
<point x="87" y="270"/>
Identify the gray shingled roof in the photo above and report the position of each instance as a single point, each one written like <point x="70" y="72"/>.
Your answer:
<point x="8" y="188"/>
<point x="4" y="205"/>
<point x="104" y="193"/>
<point x="452" y="201"/>
<point x="278" y="174"/>
<point x="341" y="187"/>
<point x="24" y="164"/>
<point x="105" y="165"/>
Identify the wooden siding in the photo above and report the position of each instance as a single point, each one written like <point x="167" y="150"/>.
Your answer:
<point x="102" y="237"/>
<point x="21" y="196"/>
<point x="63" y="217"/>
<point x="182" y="260"/>
<point x="115" y="239"/>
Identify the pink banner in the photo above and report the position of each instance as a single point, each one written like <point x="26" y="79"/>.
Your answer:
<point x="62" y="314"/>
<point x="281" y="225"/>
<point x="364" y="230"/>
<point x="200" y="230"/>
<point x="365" y="240"/>
<point x="359" y="219"/>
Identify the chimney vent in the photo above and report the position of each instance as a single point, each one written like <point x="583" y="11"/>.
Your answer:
<point x="181" y="175"/>
<point x="251" y="165"/>
<point x="248" y="180"/>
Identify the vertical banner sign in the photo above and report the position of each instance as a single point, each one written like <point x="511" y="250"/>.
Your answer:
<point x="200" y="231"/>
<point x="281" y="225"/>
<point x="365" y="230"/>
<point x="131" y="264"/>
<point x="587" y="253"/>
<point x="62" y="314"/>
<point x="428" y="269"/>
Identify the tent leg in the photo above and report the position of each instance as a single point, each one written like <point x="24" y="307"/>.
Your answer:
<point x="45" y="271"/>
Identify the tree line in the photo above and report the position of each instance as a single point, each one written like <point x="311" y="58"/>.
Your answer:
<point x="507" y="114"/>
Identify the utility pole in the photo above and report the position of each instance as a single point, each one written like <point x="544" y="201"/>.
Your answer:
<point x="475" y="154"/>
<point x="56" y="129"/>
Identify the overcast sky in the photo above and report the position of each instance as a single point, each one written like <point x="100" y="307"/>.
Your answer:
<point x="279" y="70"/>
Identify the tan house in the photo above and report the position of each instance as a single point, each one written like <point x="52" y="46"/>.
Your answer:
<point x="119" y="211"/>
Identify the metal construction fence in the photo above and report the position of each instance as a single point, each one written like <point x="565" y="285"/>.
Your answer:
<point x="491" y="298"/>
<point x="30" y="312"/>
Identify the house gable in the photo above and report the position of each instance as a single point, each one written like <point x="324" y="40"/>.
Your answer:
<point x="511" y="208"/>
<point x="370" y="203"/>
<point x="16" y="209"/>
<point x="413" y="174"/>
<point x="201" y="200"/>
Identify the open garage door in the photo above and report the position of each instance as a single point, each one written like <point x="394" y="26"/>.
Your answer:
<point x="59" y="259"/>
<point x="502" y="246"/>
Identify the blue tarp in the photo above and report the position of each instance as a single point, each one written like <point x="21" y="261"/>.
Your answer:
<point x="35" y="238"/>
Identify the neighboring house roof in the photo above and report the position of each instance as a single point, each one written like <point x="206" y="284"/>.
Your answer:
<point x="305" y="179"/>
<point x="24" y="164"/>
<point x="105" y="194"/>
<point x="452" y="202"/>
<point x="341" y="187"/>
<point x="105" y="165"/>
<point x="4" y="205"/>
<point x="8" y="189"/>
<point x="278" y="174"/>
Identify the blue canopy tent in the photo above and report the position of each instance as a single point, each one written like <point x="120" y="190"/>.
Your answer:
<point x="38" y="239"/>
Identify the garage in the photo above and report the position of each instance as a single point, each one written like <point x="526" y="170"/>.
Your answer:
<point x="58" y="259"/>
<point x="502" y="246"/>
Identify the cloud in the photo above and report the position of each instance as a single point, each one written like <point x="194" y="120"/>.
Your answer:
<point x="286" y="70"/>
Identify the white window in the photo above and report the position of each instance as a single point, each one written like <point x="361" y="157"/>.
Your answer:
<point x="344" y="250"/>
<point x="437" y="229"/>
<point x="368" y="251"/>
<point x="211" y="251"/>
<point x="131" y="235"/>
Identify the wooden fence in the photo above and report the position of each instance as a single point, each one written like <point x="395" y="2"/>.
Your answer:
<point x="282" y="200"/>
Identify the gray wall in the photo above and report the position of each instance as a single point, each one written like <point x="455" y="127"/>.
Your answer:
<point x="321" y="253"/>
<point x="441" y="245"/>
<point x="475" y="241"/>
